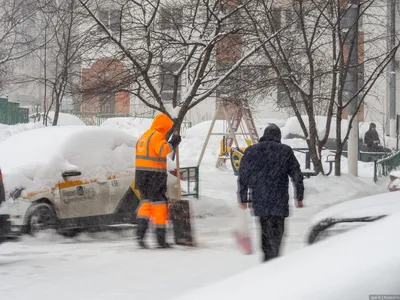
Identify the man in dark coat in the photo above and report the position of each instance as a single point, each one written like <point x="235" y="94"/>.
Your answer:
<point x="264" y="182"/>
<point x="371" y="138"/>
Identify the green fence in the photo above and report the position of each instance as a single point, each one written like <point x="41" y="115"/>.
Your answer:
<point x="11" y="113"/>
<point x="384" y="166"/>
<point x="99" y="118"/>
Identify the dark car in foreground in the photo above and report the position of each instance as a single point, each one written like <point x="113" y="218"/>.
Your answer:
<point x="4" y="216"/>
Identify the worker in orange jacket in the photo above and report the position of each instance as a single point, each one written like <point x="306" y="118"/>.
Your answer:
<point x="151" y="178"/>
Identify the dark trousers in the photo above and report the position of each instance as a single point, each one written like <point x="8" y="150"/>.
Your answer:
<point x="272" y="229"/>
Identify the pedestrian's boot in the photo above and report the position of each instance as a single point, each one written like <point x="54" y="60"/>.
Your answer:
<point x="161" y="234"/>
<point x="142" y="225"/>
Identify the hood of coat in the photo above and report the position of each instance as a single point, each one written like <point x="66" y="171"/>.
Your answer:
<point x="162" y="123"/>
<point x="272" y="133"/>
<point x="372" y="126"/>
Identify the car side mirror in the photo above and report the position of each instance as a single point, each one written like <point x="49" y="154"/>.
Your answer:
<point x="71" y="174"/>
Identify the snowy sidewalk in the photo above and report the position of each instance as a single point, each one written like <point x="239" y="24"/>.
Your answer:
<point x="112" y="267"/>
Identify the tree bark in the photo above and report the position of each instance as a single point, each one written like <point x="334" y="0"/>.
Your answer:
<point x="56" y="112"/>
<point x="339" y="144"/>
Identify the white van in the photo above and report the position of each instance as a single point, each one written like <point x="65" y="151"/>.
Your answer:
<point x="71" y="177"/>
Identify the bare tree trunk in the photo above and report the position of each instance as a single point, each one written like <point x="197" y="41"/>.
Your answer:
<point x="56" y="112"/>
<point x="315" y="154"/>
<point x="339" y="144"/>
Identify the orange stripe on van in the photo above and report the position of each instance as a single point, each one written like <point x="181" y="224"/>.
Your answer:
<point x="32" y="194"/>
<point x="70" y="184"/>
<point x="74" y="183"/>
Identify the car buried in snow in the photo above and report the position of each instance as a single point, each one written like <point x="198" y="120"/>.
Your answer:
<point x="348" y="215"/>
<point x="394" y="181"/>
<point x="358" y="265"/>
<point x="71" y="178"/>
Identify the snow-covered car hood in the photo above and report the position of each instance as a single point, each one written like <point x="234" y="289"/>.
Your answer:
<point x="350" y="266"/>
<point x="376" y="205"/>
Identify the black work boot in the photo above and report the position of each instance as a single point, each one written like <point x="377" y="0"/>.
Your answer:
<point x="142" y="225"/>
<point x="162" y="243"/>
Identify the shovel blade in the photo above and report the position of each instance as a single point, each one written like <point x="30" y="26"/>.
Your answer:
<point x="181" y="220"/>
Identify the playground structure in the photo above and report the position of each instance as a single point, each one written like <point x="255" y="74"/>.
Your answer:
<point x="237" y="121"/>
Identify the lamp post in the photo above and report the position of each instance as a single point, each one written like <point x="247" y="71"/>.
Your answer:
<point x="392" y="68"/>
<point x="350" y="25"/>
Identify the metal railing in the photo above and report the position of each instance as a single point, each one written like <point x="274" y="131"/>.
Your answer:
<point x="306" y="152"/>
<point x="190" y="181"/>
<point x="384" y="166"/>
<point x="383" y="162"/>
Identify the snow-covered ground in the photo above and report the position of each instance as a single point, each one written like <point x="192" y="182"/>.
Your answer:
<point x="349" y="266"/>
<point x="110" y="265"/>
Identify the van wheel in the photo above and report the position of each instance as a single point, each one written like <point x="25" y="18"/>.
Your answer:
<point x="70" y="233"/>
<point x="42" y="218"/>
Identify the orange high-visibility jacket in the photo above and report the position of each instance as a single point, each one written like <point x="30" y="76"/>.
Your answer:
<point x="152" y="148"/>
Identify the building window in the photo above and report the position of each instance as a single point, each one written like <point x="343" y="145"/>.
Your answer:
<point x="171" y="18"/>
<point x="107" y="104"/>
<point x="167" y="81"/>
<point x="111" y="19"/>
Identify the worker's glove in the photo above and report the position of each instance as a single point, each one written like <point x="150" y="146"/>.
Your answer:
<point x="175" y="141"/>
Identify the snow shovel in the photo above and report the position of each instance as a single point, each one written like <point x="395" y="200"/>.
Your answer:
<point x="179" y="210"/>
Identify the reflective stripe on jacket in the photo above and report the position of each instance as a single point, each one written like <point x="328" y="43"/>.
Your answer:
<point x="152" y="148"/>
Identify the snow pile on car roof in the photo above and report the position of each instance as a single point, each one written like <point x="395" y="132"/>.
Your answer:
<point x="7" y="131"/>
<point x="66" y="119"/>
<point x="38" y="157"/>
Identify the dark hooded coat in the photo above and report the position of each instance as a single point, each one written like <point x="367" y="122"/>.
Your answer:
<point x="371" y="136"/>
<point x="264" y="174"/>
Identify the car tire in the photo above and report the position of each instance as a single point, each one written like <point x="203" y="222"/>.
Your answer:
<point x="41" y="217"/>
<point x="70" y="233"/>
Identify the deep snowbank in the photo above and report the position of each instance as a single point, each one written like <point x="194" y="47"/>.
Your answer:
<point x="65" y="119"/>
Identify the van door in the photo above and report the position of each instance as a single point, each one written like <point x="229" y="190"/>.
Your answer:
<point x="119" y="185"/>
<point x="82" y="199"/>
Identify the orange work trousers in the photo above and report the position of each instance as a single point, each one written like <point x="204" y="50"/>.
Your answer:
<point x="157" y="212"/>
